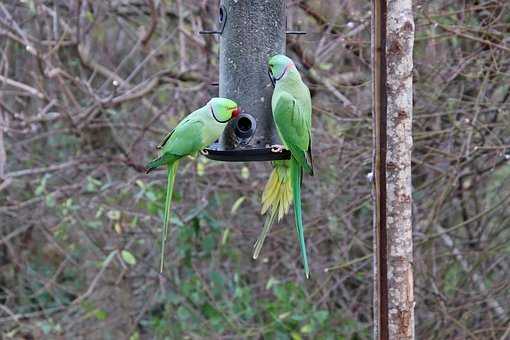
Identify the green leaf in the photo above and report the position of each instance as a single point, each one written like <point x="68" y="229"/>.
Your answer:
<point x="151" y="196"/>
<point x="140" y="183"/>
<point x="218" y="282"/>
<point x="200" y="169"/>
<point x="42" y="186"/>
<point x="99" y="212"/>
<point x="321" y="315"/>
<point x="68" y="203"/>
<point x="306" y="329"/>
<point x="208" y="243"/>
<point x="89" y="15"/>
<point x="295" y="336"/>
<point x="113" y="215"/>
<point x="183" y="313"/>
<point x="224" y="238"/>
<point x="451" y="279"/>
<point x="237" y="204"/>
<point x="92" y="184"/>
<point x="283" y="316"/>
<point x="271" y="282"/>
<point x="50" y="201"/>
<point x="173" y="298"/>
<point x="93" y="224"/>
<point x="128" y="257"/>
<point x="325" y="66"/>
<point x="245" y="172"/>
<point x="100" y="314"/>
<point x="134" y="222"/>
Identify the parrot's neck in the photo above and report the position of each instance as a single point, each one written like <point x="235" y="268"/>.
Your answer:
<point x="290" y="77"/>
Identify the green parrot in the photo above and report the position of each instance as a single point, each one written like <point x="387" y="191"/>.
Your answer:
<point x="292" y="113"/>
<point x="195" y="132"/>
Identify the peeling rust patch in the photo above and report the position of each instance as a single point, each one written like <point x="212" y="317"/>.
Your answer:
<point x="404" y="198"/>
<point x="391" y="166"/>
<point x="396" y="48"/>
<point x="404" y="317"/>
<point x="401" y="116"/>
<point x="408" y="27"/>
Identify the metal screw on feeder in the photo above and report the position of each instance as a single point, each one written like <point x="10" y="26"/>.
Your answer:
<point x="250" y="33"/>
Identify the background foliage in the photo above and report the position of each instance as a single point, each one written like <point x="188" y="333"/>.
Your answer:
<point x="80" y="220"/>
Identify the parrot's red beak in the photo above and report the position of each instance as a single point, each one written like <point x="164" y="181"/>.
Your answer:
<point x="236" y="112"/>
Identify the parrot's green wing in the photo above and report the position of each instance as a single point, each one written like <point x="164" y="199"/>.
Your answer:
<point x="186" y="138"/>
<point x="163" y="142"/>
<point x="294" y="128"/>
<point x="309" y="158"/>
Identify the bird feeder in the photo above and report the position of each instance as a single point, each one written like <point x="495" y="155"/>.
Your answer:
<point x="250" y="31"/>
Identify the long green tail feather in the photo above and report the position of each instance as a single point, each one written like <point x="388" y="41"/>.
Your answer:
<point x="263" y="234"/>
<point x="172" y="170"/>
<point x="295" y="175"/>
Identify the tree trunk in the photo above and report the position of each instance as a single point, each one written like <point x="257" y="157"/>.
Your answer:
<point x="392" y="50"/>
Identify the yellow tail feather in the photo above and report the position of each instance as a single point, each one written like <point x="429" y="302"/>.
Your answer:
<point x="276" y="199"/>
<point x="277" y="195"/>
<point x="271" y="192"/>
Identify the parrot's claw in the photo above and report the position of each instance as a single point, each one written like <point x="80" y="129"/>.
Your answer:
<point x="204" y="152"/>
<point x="276" y="148"/>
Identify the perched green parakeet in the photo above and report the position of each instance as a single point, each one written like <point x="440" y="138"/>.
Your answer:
<point x="195" y="132"/>
<point x="292" y="113"/>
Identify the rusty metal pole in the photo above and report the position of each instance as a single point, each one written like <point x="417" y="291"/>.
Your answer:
<point x="251" y="32"/>
<point x="392" y="65"/>
<point x="379" y="118"/>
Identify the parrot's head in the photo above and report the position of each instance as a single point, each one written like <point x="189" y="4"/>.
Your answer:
<point x="223" y="109"/>
<point x="279" y="66"/>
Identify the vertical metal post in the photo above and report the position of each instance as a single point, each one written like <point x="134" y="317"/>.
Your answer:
<point x="379" y="122"/>
<point x="253" y="31"/>
<point x="392" y="65"/>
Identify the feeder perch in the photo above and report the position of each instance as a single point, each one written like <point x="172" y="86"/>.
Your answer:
<point x="250" y="32"/>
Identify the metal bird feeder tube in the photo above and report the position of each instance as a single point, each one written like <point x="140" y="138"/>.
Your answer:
<point x="251" y="31"/>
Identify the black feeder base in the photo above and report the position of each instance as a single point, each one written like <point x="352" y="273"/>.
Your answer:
<point x="245" y="155"/>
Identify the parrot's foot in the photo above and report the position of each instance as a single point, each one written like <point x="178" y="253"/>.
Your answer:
<point x="204" y="152"/>
<point x="276" y="148"/>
